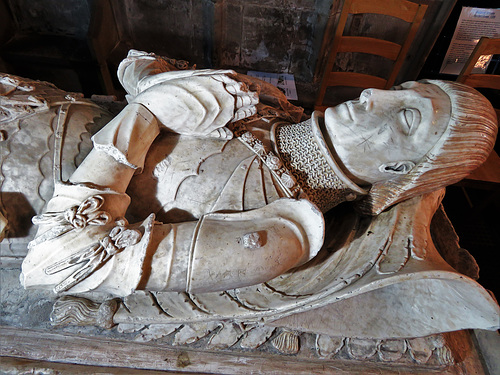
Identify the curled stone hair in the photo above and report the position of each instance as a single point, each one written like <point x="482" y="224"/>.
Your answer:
<point x="464" y="146"/>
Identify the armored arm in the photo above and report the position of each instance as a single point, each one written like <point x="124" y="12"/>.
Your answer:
<point x="230" y="250"/>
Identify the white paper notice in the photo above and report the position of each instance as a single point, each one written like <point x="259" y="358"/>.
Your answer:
<point x="472" y="25"/>
<point x="285" y="82"/>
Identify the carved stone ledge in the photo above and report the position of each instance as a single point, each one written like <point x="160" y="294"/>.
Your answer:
<point x="432" y="351"/>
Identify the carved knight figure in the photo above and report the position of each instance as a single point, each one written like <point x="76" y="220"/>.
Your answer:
<point x="229" y="192"/>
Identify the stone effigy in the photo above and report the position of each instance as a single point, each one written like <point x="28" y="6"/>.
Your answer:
<point x="229" y="195"/>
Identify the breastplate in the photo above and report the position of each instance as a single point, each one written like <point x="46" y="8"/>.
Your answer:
<point x="187" y="177"/>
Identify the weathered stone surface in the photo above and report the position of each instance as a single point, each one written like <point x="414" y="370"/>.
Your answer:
<point x="248" y="37"/>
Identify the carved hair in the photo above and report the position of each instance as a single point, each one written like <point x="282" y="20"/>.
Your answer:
<point x="464" y="146"/>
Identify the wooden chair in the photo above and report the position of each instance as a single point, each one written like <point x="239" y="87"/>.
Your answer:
<point x="407" y="11"/>
<point x="488" y="175"/>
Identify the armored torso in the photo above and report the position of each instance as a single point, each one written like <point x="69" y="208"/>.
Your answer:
<point x="45" y="135"/>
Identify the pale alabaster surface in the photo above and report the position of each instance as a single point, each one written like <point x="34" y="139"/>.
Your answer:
<point x="203" y="202"/>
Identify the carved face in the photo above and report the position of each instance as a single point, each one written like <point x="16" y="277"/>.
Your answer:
<point x="387" y="132"/>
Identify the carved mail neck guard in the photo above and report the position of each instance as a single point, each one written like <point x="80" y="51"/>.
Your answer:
<point x="304" y="152"/>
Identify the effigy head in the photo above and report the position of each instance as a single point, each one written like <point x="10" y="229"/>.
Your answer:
<point x="461" y="142"/>
<point x="387" y="132"/>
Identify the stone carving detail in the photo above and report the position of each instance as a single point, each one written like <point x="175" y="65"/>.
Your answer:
<point x="431" y="350"/>
<point x="253" y="240"/>
<point x="216" y="335"/>
<point x="93" y="256"/>
<point x="161" y="168"/>
<point x="256" y="336"/>
<point x="327" y="346"/>
<point x="273" y="162"/>
<point x="32" y="112"/>
<point x="391" y="350"/>
<point x="22" y="104"/>
<point x="420" y="350"/>
<point x="75" y="217"/>
<point x="70" y="310"/>
<point x="302" y="155"/>
<point x="287" y="342"/>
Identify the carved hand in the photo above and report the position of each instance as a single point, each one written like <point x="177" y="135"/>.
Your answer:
<point x="197" y="103"/>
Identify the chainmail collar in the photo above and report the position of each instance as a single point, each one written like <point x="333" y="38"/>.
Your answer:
<point x="305" y="154"/>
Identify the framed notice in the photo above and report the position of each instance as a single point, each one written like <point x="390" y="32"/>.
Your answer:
<point x="473" y="24"/>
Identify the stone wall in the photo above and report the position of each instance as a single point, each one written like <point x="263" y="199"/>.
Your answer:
<point x="72" y="41"/>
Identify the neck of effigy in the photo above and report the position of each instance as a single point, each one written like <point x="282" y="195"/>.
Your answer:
<point x="306" y="155"/>
<point x="344" y="170"/>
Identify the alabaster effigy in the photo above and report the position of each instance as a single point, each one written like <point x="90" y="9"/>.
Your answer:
<point x="212" y="207"/>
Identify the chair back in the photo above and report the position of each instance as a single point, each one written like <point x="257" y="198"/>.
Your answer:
<point x="407" y="11"/>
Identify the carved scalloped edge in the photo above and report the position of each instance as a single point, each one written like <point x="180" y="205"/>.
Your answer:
<point x="220" y="335"/>
<point x="422" y="350"/>
<point x="8" y="155"/>
<point x="215" y="335"/>
<point x="430" y="350"/>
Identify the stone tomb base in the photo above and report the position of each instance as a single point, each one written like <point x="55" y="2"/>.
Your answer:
<point x="56" y="351"/>
<point x="29" y="343"/>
